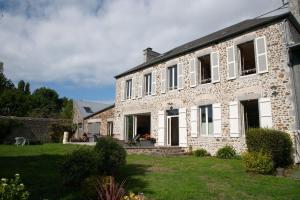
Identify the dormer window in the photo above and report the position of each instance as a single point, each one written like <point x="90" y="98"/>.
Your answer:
<point x="172" y="77"/>
<point x="129" y="89"/>
<point x="246" y="58"/>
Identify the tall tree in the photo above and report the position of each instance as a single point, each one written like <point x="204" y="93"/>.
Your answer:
<point x="5" y="83"/>
<point x="27" y="88"/>
<point x="21" y="86"/>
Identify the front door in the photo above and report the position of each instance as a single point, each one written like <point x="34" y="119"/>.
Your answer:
<point x="173" y="131"/>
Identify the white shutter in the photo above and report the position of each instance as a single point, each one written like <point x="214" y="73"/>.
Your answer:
<point x="261" y="54"/>
<point x="163" y="80"/>
<point x="194" y="121"/>
<point x="133" y="88"/>
<point x="153" y="82"/>
<point x="182" y="128"/>
<point x="180" y="75"/>
<point x="214" y="56"/>
<point x="231" y="63"/>
<point x="265" y="112"/>
<point x="161" y="128"/>
<point x="193" y="72"/>
<point x="141" y="84"/>
<point x="122" y="90"/>
<point x="217" y="119"/>
<point x="234" y="119"/>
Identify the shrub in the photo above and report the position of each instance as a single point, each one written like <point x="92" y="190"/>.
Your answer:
<point x="226" y="152"/>
<point x="112" y="153"/>
<point x="201" y="153"/>
<point x="79" y="165"/>
<point x="13" y="189"/>
<point x="57" y="131"/>
<point x="258" y="162"/>
<point x="278" y="143"/>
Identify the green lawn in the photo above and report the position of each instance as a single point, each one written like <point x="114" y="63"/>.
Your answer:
<point x="158" y="177"/>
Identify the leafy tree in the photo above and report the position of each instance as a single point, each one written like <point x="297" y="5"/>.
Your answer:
<point x="14" y="103"/>
<point x="67" y="108"/>
<point x="21" y="86"/>
<point x="5" y="83"/>
<point x="27" y="89"/>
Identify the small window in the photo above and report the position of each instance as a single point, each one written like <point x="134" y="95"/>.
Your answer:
<point x="110" y="128"/>
<point x="206" y="120"/>
<point x="205" y="69"/>
<point x="128" y="89"/>
<point x="147" y="84"/>
<point x="172" y="77"/>
<point x="88" y="110"/>
<point x="246" y="57"/>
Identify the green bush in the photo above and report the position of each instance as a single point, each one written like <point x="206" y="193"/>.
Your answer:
<point x="57" y="131"/>
<point x="201" y="153"/>
<point x="258" y="162"/>
<point x="13" y="189"/>
<point x="278" y="143"/>
<point x="226" y="152"/>
<point x="112" y="153"/>
<point x="79" y="165"/>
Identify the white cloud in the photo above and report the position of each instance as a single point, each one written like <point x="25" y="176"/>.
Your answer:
<point x="88" y="42"/>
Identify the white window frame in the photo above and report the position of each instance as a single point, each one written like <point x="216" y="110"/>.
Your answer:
<point x="239" y="57"/>
<point x="206" y="120"/>
<point x="200" y="67"/>
<point x="128" y="88"/>
<point x="147" y="88"/>
<point x="172" y="80"/>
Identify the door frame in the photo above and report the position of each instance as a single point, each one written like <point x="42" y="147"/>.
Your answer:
<point x="169" y="130"/>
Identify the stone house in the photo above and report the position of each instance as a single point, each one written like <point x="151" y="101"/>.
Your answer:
<point x="207" y="92"/>
<point x="82" y="109"/>
<point x="100" y="122"/>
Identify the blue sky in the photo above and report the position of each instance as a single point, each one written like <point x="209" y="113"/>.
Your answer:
<point x="76" y="47"/>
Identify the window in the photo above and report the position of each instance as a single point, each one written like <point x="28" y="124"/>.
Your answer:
<point x="246" y="56"/>
<point x="88" y="110"/>
<point x="206" y="120"/>
<point x="249" y="114"/>
<point x="128" y="89"/>
<point x="147" y="84"/>
<point x="205" y="69"/>
<point x="110" y="128"/>
<point x="172" y="77"/>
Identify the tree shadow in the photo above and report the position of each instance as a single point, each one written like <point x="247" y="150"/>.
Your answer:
<point x="133" y="174"/>
<point x="39" y="174"/>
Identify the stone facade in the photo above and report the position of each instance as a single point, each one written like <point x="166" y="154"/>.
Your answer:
<point x="103" y="117"/>
<point x="276" y="84"/>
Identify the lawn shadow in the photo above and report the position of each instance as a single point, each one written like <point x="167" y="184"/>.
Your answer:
<point x="39" y="174"/>
<point x="133" y="174"/>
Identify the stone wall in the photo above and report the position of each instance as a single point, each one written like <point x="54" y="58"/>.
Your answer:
<point x="35" y="129"/>
<point x="103" y="117"/>
<point x="275" y="84"/>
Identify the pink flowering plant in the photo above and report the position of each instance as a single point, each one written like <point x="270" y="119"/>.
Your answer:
<point x="13" y="189"/>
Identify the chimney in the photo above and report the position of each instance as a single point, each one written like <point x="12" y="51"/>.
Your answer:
<point x="149" y="54"/>
<point x="1" y="68"/>
<point x="294" y="8"/>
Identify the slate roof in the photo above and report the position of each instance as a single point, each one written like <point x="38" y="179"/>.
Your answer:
<point x="88" y="107"/>
<point x="211" y="39"/>
<point x="100" y="111"/>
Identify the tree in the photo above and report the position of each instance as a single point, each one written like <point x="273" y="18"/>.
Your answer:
<point x="14" y="103"/>
<point x="5" y="83"/>
<point x="27" y="88"/>
<point x="67" y="108"/>
<point x="21" y="86"/>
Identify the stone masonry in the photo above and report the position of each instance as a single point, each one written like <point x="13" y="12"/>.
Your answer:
<point x="275" y="84"/>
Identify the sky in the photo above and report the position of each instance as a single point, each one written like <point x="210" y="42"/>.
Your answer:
<point x="77" y="47"/>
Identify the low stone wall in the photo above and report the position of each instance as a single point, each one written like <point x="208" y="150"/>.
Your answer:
<point x="35" y="129"/>
<point x="162" y="151"/>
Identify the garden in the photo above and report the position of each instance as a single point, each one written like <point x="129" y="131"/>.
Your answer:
<point x="56" y="171"/>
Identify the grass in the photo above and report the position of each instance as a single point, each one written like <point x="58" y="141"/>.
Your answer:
<point x="159" y="178"/>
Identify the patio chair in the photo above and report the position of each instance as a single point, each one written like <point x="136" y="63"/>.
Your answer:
<point x="134" y="140"/>
<point x="20" y="141"/>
